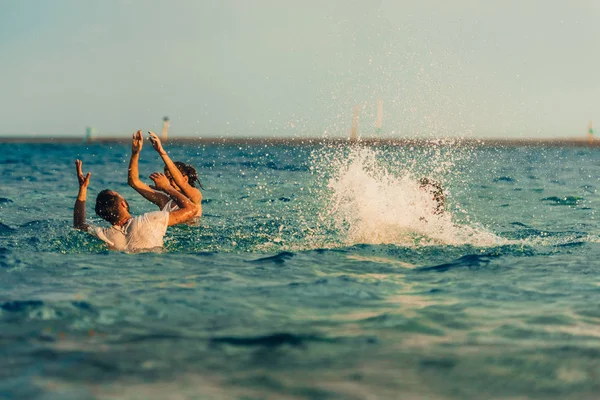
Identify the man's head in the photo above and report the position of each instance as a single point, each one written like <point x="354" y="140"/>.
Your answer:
<point x="111" y="206"/>
<point x="435" y="189"/>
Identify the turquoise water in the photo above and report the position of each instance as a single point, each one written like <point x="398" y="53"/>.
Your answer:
<point x="316" y="273"/>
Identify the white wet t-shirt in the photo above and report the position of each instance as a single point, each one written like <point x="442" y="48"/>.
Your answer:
<point x="139" y="233"/>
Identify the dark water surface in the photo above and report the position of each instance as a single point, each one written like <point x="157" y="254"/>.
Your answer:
<point x="315" y="273"/>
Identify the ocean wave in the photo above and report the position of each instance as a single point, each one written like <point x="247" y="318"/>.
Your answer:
<point x="277" y="259"/>
<point x="563" y="201"/>
<point x="470" y="261"/>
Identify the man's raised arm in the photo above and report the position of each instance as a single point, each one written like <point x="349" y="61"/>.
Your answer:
<point x="79" y="209"/>
<point x="133" y="176"/>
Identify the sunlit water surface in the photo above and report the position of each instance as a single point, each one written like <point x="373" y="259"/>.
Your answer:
<point x="316" y="273"/>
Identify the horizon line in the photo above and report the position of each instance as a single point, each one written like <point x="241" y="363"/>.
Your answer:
<point x="579" y="141"/>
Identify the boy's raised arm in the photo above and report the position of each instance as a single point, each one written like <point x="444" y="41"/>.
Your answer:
<point x="187" y="209"/>
<point x="79" y="209"/>
<point x="191" y="192"/>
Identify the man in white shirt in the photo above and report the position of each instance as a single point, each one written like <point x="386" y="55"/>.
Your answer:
<point x="129" y="233"/>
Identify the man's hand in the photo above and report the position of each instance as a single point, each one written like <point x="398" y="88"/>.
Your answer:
<point x="137" y="142"/>
<point x="160" y="182"/>
<point x="156" y="143"/>
<point x="83" y="181"/>
<point x="79" y="209"/>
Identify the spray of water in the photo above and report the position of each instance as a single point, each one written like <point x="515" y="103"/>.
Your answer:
<point x="376" y="197"/>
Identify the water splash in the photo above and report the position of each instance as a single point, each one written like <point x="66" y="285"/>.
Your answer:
<point x="378" y="200"/>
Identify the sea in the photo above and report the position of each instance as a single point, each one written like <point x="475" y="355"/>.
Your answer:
<point x="317" y="271"/>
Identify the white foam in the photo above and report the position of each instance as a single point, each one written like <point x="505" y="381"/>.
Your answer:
<point x="376" y="202"/>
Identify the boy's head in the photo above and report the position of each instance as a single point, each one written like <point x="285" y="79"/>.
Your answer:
<point x="436" y="191"/>
<point x="187" y="171"/>
<point x="110" y="206"/>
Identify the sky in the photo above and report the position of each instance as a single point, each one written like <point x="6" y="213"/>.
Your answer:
<point x="286" y="68"/>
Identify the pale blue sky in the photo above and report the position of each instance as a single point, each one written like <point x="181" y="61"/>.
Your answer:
<point x="297" y="68"/>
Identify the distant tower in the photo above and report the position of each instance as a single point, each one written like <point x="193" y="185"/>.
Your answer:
<point x="165" y="130"/>
<point x="354" y="131"/>
<point x="89" y="134"/>
<point x="379" y="116"/>
<point x="590" y="133"/>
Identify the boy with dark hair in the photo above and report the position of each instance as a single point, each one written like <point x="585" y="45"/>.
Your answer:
<point x="183" y="177"/>
<point x="128" y="233"/>
<point x="434" y="188"/>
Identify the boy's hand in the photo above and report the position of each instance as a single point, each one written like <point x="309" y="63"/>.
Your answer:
<point x="156" y="143"/>
<point x="137" y="142"/>
<point x="83" y="181"/>
<point x="160" y="182"/>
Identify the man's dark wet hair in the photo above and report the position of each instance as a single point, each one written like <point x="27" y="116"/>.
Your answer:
<point x="435" y="188"/>
<point x="107" y="206"/>
<point x="189" y="171"/>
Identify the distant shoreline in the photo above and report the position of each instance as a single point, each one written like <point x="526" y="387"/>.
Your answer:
<point x="319" y="141"/>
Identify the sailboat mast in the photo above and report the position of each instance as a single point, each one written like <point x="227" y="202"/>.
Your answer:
<point x="379" y="116"/>
<point x="354" y="131"/>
